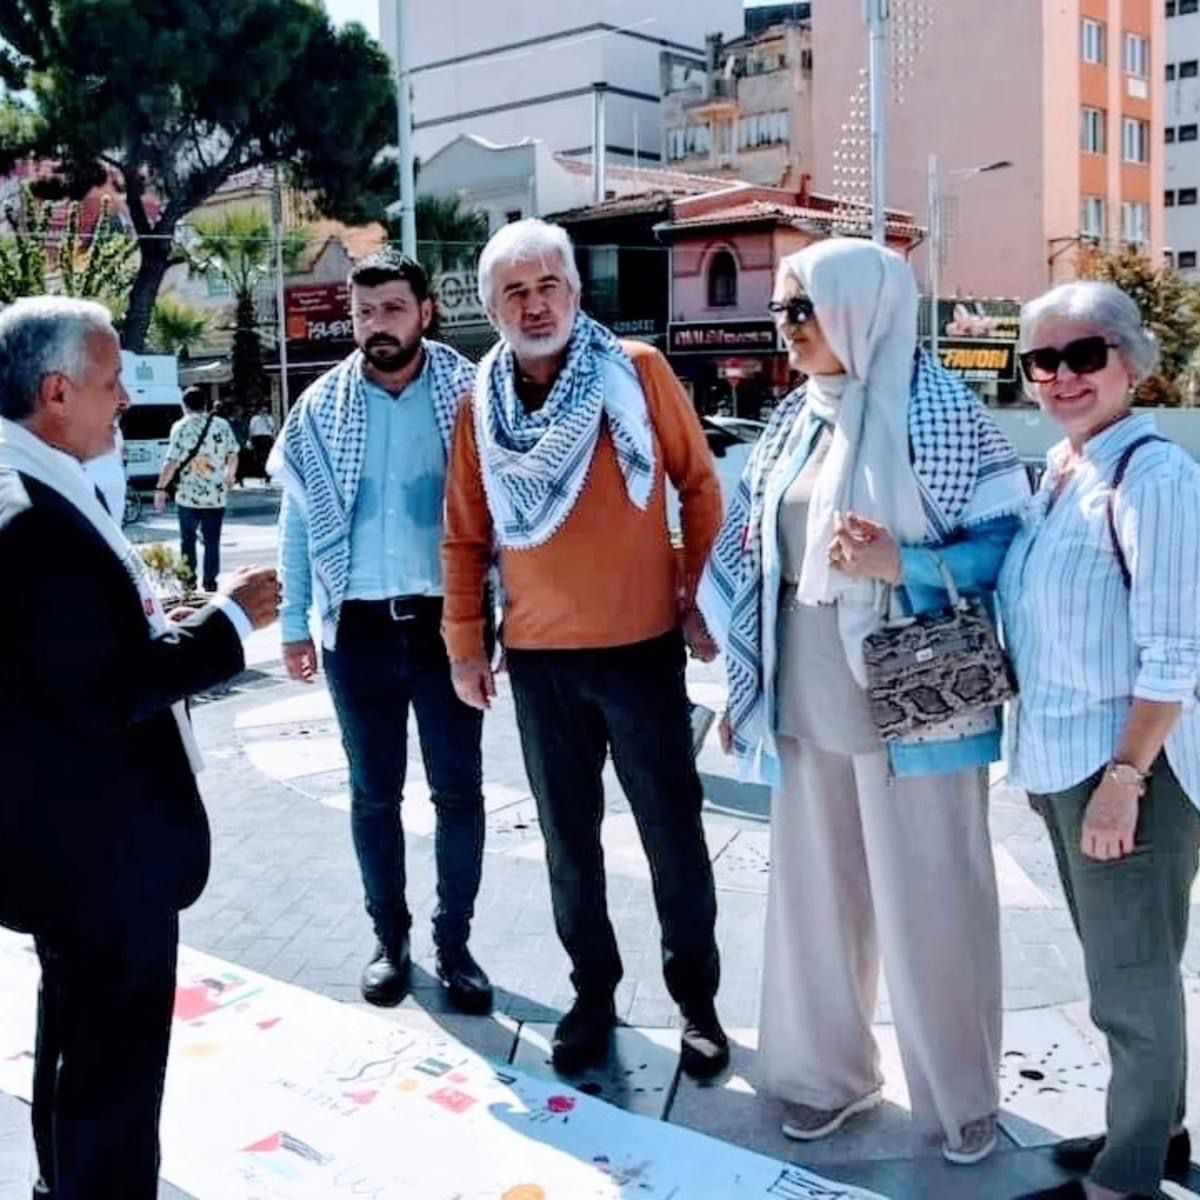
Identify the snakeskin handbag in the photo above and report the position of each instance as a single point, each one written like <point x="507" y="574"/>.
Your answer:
<point x="935" y="668"/>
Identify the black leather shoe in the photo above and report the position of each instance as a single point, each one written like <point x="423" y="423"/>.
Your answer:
<point x="466" y="982"/>
<point x="385" y="979"/>
<point x="1078" y="1154"/>
<point x="582" y="1036"/>
<point x="703" y="1046"/>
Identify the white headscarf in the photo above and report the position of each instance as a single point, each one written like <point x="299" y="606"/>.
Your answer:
<point x="865" y="299"/>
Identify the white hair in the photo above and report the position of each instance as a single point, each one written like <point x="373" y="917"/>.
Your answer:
<point x="1103" y="305"/>
<point x="40" y="336"/>
<point x="530" y="240"/>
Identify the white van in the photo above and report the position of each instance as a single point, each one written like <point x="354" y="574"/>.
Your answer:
<point x="155" y="404"/>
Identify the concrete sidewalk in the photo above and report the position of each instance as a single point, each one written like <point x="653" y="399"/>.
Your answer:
<point x="285" y="900"/>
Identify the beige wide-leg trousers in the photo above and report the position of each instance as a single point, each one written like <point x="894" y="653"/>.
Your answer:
<point x="860" y="866"/>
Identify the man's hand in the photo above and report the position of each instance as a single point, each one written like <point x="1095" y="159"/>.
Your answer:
<point x="725" y="733"/>
<point x="474" y="682"/>
<point x="699" y="640"/>
<point x="180" y="613"/>
<point x="160" y="499"/>
<point x="256" y="591"/>
<point x="1110" y="821"/>
<point x="300" y="658"/>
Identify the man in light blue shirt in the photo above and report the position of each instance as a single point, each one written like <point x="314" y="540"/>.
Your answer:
<point x="363" y="462"/>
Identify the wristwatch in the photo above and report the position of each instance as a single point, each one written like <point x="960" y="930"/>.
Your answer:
<point x="1127" y="775"/>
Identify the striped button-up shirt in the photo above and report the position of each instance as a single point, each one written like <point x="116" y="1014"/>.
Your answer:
<point x="1083" y="645"/>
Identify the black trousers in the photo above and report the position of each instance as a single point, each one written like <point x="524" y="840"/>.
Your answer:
<point x="572" y="707"/>
<point x="104" y="1027"/>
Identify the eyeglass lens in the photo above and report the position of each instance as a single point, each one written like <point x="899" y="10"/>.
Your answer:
<point x="1084" y="356"/>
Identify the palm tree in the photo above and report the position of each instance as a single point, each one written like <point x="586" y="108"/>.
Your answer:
<point x="176" y="327"/>
<point x="449" y="237"/>
<point x="239" y="246"/>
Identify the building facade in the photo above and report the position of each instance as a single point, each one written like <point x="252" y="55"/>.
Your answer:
<point x="1181" y="120"/>
<point x="748" y="113"/>
<point x="506" y="71"/>
<point x="1065" y="93"/>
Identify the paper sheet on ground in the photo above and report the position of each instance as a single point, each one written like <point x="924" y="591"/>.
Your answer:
<point x="275" y="1093"/>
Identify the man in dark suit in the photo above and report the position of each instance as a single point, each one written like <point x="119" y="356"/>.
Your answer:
<point x="103" y="838"/>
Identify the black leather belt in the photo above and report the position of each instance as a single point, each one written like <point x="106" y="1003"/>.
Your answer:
<point x="397" y="608"/>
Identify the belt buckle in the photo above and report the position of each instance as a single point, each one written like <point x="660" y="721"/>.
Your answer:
<point x="396" y="614"/>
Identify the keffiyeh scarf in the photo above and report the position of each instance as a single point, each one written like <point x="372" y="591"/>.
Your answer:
<point x="534" y="464"/>
<point x="319" y="459"/>
<point x="966" y="472"/>
<point x="22" y="451"/>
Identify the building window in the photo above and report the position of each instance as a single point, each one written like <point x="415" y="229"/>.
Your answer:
<point x="1188" y="6"/>
<point x="1189" y="69"/>
<point x="1187" y="195"/>
<point x="1186" y="260"/>
<point x="1170" y="72"/>
<point x="1093" y="131"/>
<point x="763" y="129"/>
<point x="1135" y="223"/>
<point x="512" y="215"/>
<point x="722" y="280"/>
<point x="1187" y="133"/>
<point x="1169" y="134"/>
<point x="1170" y="8"/>
<point x="1137" y="56"/>
<point x="1093" y="41"/>
<point x="1169" y="198"/>
<point x="689" y="141"/>
<point x="1136" y="140"/>
<point x="1092" y="217"/>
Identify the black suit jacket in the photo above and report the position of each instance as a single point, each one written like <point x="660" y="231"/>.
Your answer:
<point x="99" y="812"/>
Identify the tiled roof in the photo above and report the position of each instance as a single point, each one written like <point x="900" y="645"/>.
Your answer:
<point x="762" y="212"/>
<point x="653" y="178"/>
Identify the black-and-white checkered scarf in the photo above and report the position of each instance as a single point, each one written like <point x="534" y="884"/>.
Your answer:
<point x="534" y="464"/>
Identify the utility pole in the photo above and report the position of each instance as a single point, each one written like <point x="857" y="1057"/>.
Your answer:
<point x="877" y="18"/>
<point x="408" y="207"/>
<point x="935" y="251"/>
<point x="280" y="300"/>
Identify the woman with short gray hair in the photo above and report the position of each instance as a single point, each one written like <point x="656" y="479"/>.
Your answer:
<point x="1100" y="595"/>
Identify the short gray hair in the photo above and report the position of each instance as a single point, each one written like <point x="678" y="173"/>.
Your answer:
<point x="40" y="336"/>
<point x="1103" y="305"/>
<point x="530" y="240"/>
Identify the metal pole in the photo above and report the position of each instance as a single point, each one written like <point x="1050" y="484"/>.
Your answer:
<point x="599" y="140"/>
<point x="935" y="252"/>
<point x="635" y="138"/>
<point x="280" y="301"/>
<point x="408" y="208"/>
<point x="877" y="15"/>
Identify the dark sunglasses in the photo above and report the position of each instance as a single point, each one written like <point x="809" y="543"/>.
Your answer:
<point x="799" y="309"/>
<point x="1085" y="356"/>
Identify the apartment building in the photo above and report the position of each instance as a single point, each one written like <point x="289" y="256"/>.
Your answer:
<point x="1181" y="121"/>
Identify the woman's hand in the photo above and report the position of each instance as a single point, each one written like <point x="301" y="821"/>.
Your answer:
<point x="864" y="549"/>
<point x="725" y="733"/>
<point x="1110" y="820"/>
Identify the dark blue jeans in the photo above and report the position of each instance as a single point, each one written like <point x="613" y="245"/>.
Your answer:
<point x="573" y="707"/>
<point x="208" y="521"/>
<point x="380" y="667"/>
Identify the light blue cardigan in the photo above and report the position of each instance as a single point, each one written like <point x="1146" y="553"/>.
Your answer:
<point x="973" y="555"/>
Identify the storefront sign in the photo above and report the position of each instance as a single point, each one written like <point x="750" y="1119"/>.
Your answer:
<point x="637" y="327"/>
<point x="991" y="320"/>
<point x="723" y="337"/>
<point x="979" y="361"/>
<point x="457" y="295"/>
<point x="318" y="313"/>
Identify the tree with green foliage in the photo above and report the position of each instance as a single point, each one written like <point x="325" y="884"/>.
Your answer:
<point x="34" y="260"/>
<point x="177" y="327"/>
<point x="1170" y="308"/>
<point x="239" y="246"/>
<point x="449" y="236"/>
<point x="177" y="96"/>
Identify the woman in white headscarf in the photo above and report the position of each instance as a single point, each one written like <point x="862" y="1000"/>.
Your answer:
<point x="876" y="471"/>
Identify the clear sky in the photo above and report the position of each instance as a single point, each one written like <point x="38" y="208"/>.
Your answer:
<point x="366" y="12"/>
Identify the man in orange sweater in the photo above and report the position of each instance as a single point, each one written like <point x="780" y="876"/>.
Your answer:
<point x="561" y="461"/>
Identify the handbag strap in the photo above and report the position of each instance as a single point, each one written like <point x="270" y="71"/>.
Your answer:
<point x="1110" y="503"/>
<point x="891" y="594"/>
<point x="196" y="448"/>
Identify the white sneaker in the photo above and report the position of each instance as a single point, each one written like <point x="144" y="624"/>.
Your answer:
<point x="806" y="1124"/>
<point x="976" y="1140"/>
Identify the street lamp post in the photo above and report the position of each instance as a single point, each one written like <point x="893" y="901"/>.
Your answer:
<point x="935" y="202"/>
<point x="408" y="210"/>
<point x="877" y="17"/>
